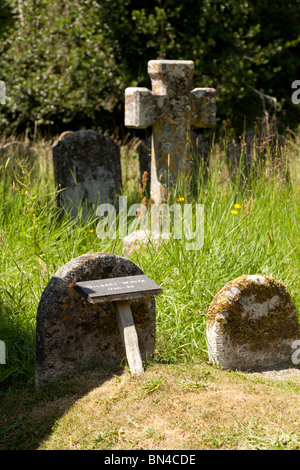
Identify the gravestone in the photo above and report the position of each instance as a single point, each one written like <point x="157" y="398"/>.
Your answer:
<point x="87" y="168"/>
<point x="200" y="147"/>
<point x="79" y="324"/>
<point x="252" y="150"/>
<point x="2" y="352"/>
<point x="2" y="92"/>
<point x="172" y="110"/>
<point x="251" y="324"/>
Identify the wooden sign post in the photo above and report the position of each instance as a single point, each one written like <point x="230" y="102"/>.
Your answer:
<point x="120" y="291"/>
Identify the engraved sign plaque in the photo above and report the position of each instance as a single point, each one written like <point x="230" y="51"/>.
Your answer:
<point x="117" y="288"/>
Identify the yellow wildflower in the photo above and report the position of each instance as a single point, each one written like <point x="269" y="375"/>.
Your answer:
<point x="117" y="195"/>
<point x="180" y="199"/>
<point x="237" y="206"/>
<point x="234" y="212"/>
<point x="91" y="230"/>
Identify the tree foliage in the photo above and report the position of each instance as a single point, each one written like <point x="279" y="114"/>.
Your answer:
<point x="68" y="63"/>
<point x="58" y="65"/>
<point x="6" y="18"/>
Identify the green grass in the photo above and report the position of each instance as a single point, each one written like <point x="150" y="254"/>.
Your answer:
<point x="36" y="239"/>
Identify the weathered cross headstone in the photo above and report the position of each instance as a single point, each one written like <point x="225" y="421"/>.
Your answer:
<point x="171" y="109"/>
<point x="78" y="325"/>
<point x="88" y="170"/>
<point x="251" y="324"/>
<point x="200" y="150"/>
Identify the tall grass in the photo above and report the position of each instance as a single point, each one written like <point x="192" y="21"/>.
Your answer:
<point x="260" y="236"/>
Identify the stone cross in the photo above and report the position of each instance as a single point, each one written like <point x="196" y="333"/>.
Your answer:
<point x="171" y="109"/>
<point x="2" y="92"/>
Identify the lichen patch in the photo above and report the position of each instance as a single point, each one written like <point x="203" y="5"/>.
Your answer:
<point x="254" y="310"/>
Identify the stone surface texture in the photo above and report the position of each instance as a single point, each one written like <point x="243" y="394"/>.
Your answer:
<point x="72" y="333"/>
<point x="140" y="240"/>
<point x="87" y="167"/>
<point x="171" y="109"/>
<point x="251" y="324"/>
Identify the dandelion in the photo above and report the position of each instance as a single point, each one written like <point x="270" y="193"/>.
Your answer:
<point x="180" y="199"/>
<point x="237" y="206"/>
<point x="91" y="230"/>
<point x="233" y="212"/>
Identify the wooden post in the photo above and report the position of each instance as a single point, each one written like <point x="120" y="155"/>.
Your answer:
<point x="129" y="336"/>
<point x="120" y="291"/>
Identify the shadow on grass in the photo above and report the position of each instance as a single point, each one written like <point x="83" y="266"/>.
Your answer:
<point x="27" y="416"/>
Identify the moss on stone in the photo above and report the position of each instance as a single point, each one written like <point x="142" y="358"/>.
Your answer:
<point x="280" y="323"/>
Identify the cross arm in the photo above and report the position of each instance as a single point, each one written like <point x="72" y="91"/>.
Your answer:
<point x="140" y="109"/>
<point x="203" y="107"/>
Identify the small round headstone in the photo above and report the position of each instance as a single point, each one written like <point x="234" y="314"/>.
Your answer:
<point x="72" y="333"/>
<point x="251" y="324"/>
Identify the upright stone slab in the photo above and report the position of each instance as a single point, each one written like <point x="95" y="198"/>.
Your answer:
<point x="2" y="92"/>
<point x="87" y="167"/>
<point x="251" y="152"/>
<point x="72" y="332"/>
<point x="251" y="324"/>
<point x="2" y="352"/>
<point x="171" y="109"/>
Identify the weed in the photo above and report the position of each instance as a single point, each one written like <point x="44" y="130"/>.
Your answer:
<point x="152" y="385"/>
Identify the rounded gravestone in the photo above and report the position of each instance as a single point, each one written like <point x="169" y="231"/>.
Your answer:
<point x="71" y="332"/>
<point x="251" y="324"/>
<point x="87" y="170"/>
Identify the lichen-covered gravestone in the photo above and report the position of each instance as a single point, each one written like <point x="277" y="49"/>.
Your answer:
<point x="251" y="324"/>
<point x="72" y="332"/>
<point x="88" y="170"/>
